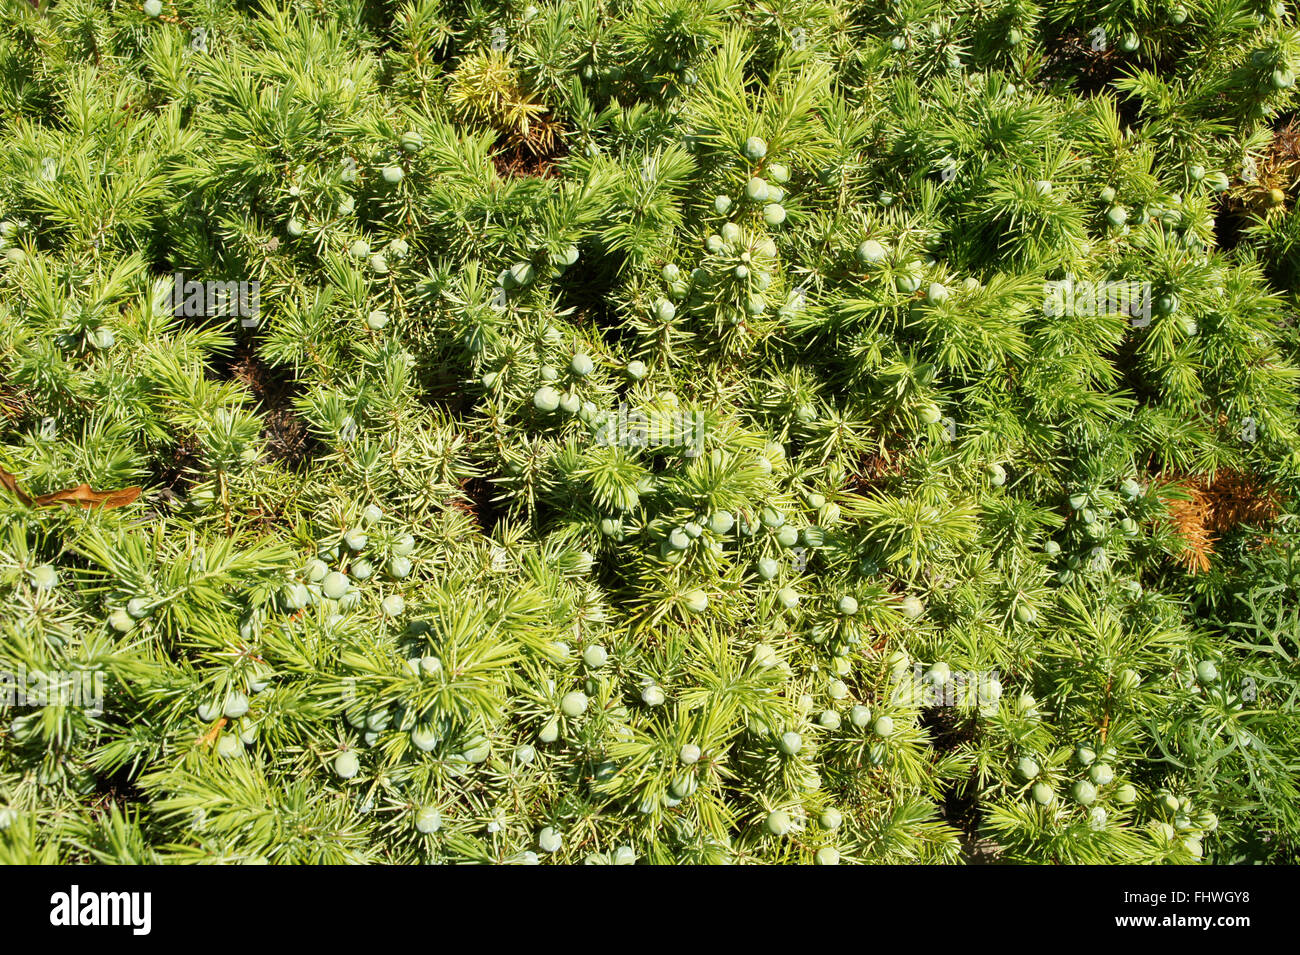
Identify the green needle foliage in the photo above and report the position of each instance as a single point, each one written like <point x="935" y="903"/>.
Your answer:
<point x="682" y="431"/>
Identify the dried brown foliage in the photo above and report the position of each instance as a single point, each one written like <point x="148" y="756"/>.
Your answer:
<point x="1202" y="510"/>
<point x="1278" y="168"/>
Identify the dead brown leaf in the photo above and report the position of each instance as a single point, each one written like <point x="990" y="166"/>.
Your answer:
<point x="82" y="495"/>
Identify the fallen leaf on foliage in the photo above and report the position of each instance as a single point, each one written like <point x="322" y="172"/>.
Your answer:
<point x="82" y="495"/>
